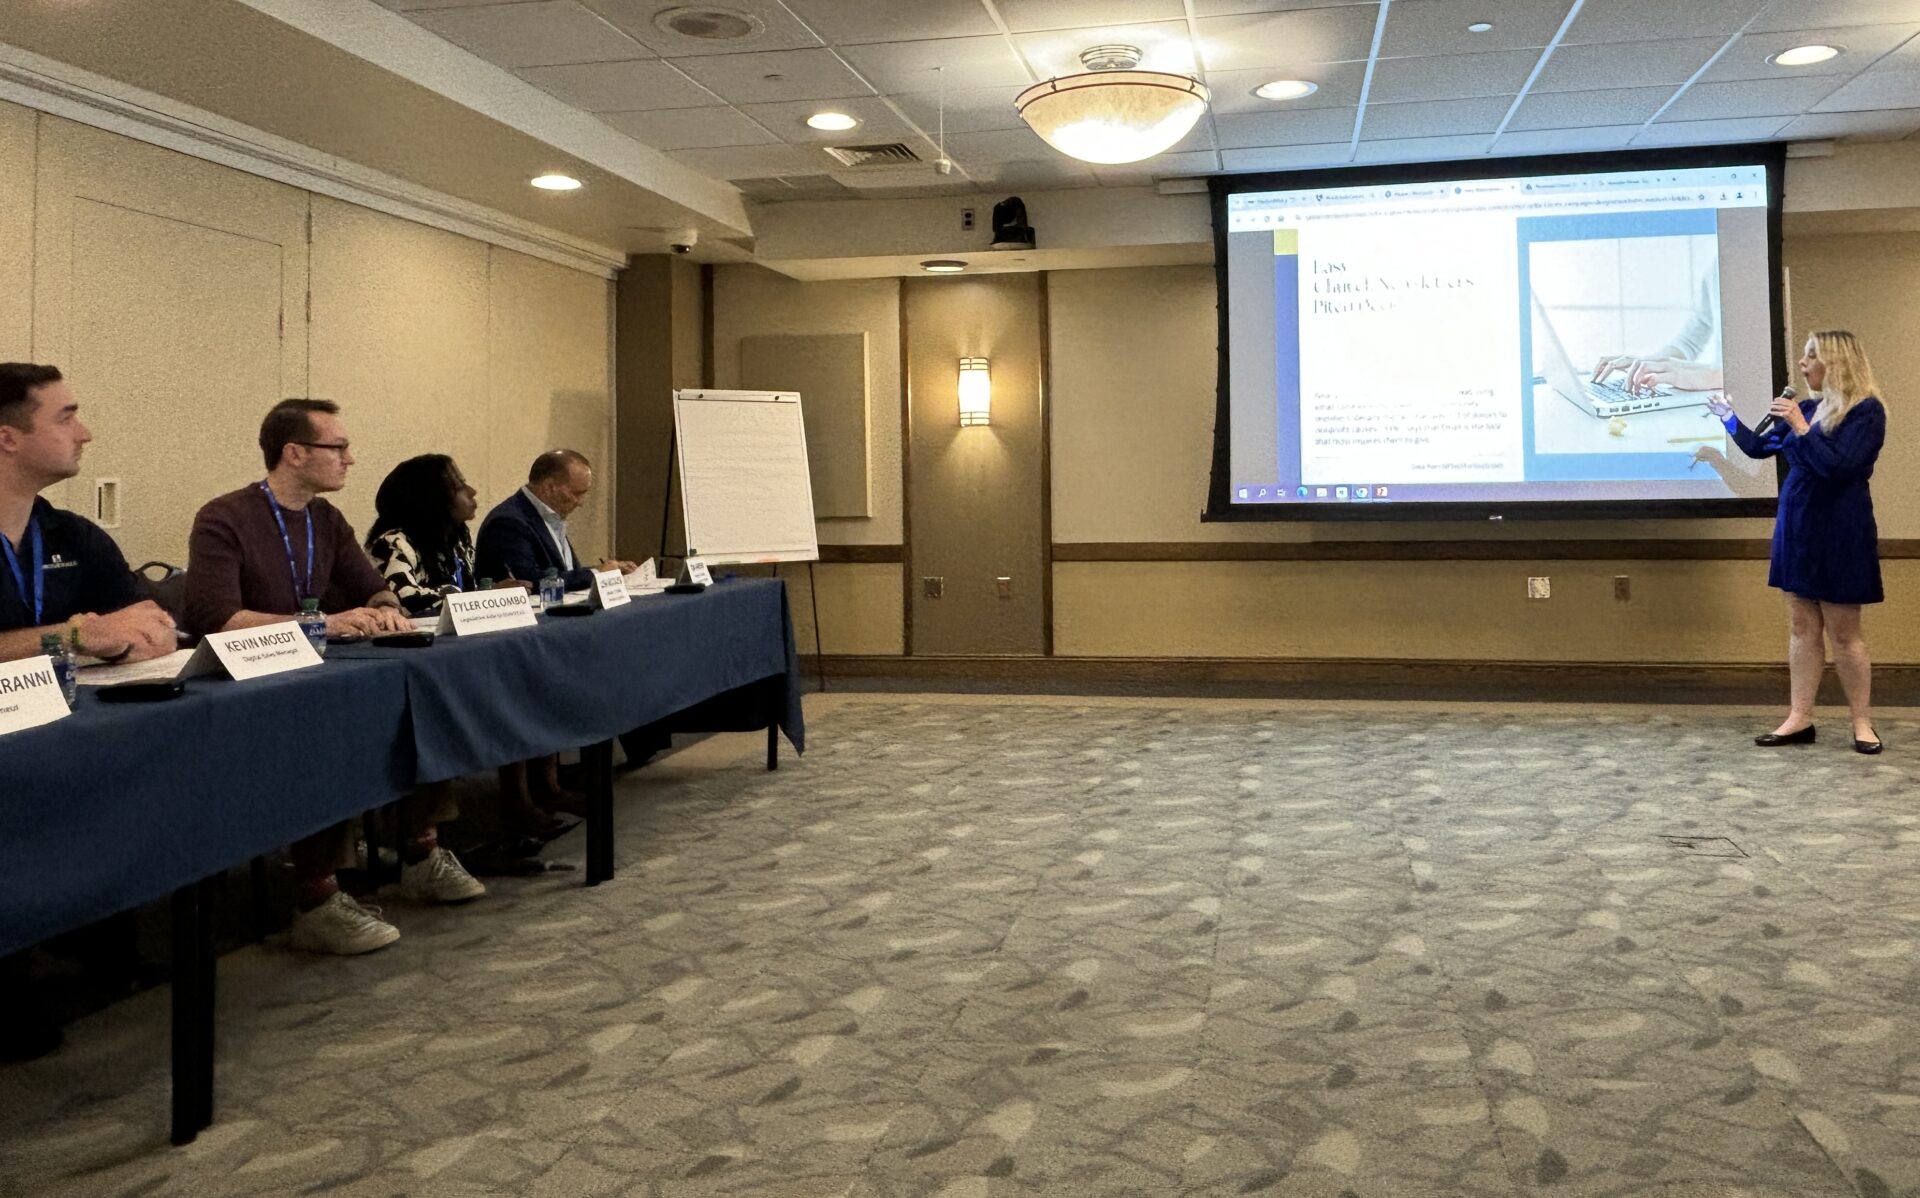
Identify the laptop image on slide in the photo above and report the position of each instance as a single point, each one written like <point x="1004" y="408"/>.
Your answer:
<point x="1603" y="400"/>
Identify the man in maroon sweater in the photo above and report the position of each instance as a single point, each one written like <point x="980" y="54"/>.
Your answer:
<point x="255" y="555"/>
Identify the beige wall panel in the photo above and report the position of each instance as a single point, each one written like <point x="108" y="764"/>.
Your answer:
<point x="550" y="386"/>
<point x="399" y="340"/>
<point x="752" y="300"/>
<point x="174" y="350"/>
<point x="859" y="607"/>
<point x="689" y="333"/>
<point x="17" y="126"/>
<point x="1710" y="611"/>
<point x="1870" y="283"/>
<point x="829" y="370"/>
<point x="976" y="497"/>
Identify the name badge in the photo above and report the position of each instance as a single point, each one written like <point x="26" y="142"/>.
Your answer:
<point x="252" y="653"/>
<point x="30" y="695"/>
<point x="477" y="612"/>
<point x="695" y="571"/>
<point x="609" y="589"/>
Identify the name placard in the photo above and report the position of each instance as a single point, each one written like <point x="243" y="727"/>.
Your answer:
<point x="609" y="589"/>
<point x="30" y="695"/>
<point x="477" y="612"/>
<point x="252" y="652"/>
<point x="696" y="571"/>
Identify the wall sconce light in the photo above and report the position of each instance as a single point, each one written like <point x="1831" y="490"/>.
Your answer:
<point x="976" y="393"/>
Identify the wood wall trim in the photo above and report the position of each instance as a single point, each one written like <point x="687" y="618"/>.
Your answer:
<point x="706" y="326"/>
<point x="906" y="480"/>
<point x="862" y="555"/>
<point x="1650" y="549"/>
<point x="1046" y="467"/>
<point x="1367" y="678"/>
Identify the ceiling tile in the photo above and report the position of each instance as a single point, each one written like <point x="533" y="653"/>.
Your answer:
<point x="690" y="128"/>
<point x="1163" y="47"/>
<point x="934" y="185"/>
<point x="970" y="110"/>
<point x="1293" y="39"/>
<point x="780" y="29"/>
<point x="1577" y="110"/>
<point x="1423" y="149"/>
<point x="1625" y="64"/>
<point x="1877" y="89"/>
<point x="1002" y="145"/>
<point x="1422" y="27"/>
<point x="1056" y="172"/>
<point x="878" y="122"/>
<point x="1024" y="16"/>
<point x="1295" y="128"/>
<point x="1564" y="141"/>
<point x="962" y="62"/>
<point x="1443" y="118"/>
<point x="1749" y="97"/>
<point x="1906" y="57"/>
<point x="1704" y="133"/>
<point x="532" y="35"/>
<point x="620" y="86"/>
<point x="1784" y="17"/>
<point x="1339" y="88"/>
<point x="745" y="162"/>
<point x="1234" y="8"/>
<point x="780" y="189"/>
<point x="1747" y="57"/>
<point x="1163" y="166"/>
<point x="1286" y="158"/>
<point x="1859" y="126"/>
<point x="853" y="22"/>
<point x="1450" y="77"/>
<point x="1659" y="20"/>
<point x="774" y="75"/>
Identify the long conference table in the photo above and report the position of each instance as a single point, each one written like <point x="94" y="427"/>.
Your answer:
<point x="122" y="804"/>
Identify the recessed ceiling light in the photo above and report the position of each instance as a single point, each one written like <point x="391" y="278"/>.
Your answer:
<point x="556" y="183"/>
<point x="943" y="266"/>
<point x="1803" y="56"/>
<point x="1286" y="89"/>
<point x="1480" y="27"/>
<point x="831" y="122"/>
<point x="709" y="24"/>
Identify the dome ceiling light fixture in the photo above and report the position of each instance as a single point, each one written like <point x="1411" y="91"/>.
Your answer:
<point x="1113" y="112"/>
<point x="1286" y="89"/>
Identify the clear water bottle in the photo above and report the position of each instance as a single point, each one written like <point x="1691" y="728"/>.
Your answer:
<point x="64" y="667"/>
<point x="553" y="592"/>
<point x="314" y="625"/>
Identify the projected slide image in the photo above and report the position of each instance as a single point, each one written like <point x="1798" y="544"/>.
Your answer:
<point x="1625" y="344"/>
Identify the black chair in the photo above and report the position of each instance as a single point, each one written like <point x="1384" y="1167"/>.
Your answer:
<point x="165" y="584"/>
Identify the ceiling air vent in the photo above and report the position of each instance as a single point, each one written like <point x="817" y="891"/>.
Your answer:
<point x="891" y="154"/>
<point x="709" y="24"/>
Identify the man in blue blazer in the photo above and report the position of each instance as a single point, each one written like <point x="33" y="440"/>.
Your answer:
<point x="526" y="534"/>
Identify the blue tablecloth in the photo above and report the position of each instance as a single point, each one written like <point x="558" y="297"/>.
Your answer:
<point x="121" y="804"/>
<point x="475" y="703"/>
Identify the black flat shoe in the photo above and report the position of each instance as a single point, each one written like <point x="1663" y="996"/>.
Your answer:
<point x="1802" y="737"/>
<point x="1869" y="747"/>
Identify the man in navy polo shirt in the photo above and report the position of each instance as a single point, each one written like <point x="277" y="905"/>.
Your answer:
<point x="59" y="573"/>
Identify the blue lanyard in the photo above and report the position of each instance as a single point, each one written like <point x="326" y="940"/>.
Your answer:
<point x="38" y="598"/>
<point x="301" y="591"/>
<point x="459" y="572"/>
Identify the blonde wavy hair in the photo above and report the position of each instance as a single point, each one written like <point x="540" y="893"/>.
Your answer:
<point x="1849" y="377"/>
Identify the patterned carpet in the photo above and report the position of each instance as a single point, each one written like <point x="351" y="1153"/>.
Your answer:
<point x="971" y="949"/>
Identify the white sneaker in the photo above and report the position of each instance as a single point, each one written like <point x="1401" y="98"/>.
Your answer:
<point x="439" y="878"/>
<point x="343" y="927"/>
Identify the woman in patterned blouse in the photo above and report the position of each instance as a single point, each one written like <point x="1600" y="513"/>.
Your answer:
<point x="420" y="541"/>
<point x="422" y="547"/>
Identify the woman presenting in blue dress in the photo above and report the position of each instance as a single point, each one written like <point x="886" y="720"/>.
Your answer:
<point x="1825" y="546"/>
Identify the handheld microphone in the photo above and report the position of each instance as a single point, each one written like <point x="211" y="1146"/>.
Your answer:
<point x="1772" y="422"/>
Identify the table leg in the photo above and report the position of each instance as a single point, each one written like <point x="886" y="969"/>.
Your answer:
<point x="773" y="747"/>
<point x="599" y="762"/>
<point x="193" y="980"/>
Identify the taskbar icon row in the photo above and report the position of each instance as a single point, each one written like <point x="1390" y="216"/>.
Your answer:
<point x="1272" y="494"/>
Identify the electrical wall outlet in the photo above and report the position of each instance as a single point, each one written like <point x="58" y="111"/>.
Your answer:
<point x="966" y="220"/>
<point x="1003" y="587"/>
<point x="1539" y="588"/>
<point x="933" y="587"/>
<point x="1622" y="588"/>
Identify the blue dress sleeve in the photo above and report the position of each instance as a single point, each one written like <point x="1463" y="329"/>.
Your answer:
<point x="1751" y="444"/>
<point x="1848" y="453"/>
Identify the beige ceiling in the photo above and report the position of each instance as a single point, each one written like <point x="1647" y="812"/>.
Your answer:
<point x="1400" y="80"/>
